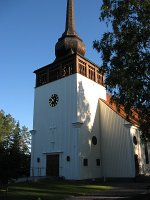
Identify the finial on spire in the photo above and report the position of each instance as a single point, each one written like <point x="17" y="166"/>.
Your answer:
<point x="69" y="42"/>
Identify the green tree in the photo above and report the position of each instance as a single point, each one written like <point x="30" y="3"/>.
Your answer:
<point x="14" y="148"/>
<point x="7" y="124"/>
<point x="125" y="52"/>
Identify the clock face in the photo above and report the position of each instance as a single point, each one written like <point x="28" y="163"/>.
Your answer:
<point x="53" y="100"/>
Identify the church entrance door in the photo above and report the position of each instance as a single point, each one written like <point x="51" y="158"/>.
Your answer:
<point x="52" y="165"/>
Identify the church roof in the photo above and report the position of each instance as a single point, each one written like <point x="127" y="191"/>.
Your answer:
<point x="121" y="111"/>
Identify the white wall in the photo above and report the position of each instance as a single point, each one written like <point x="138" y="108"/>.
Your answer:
<point x="53" y="125"/>
<point x="68" y="127"/>
<point x="117" y="145"/>
<point x="88" y="94"/>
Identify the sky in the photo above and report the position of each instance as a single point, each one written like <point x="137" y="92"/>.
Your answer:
<point x="29" y="30"/>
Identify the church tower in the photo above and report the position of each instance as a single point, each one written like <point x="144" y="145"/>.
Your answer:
<point x="66" y="132"/>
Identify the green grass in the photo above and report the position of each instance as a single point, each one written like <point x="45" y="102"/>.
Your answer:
<point x="50" y="190"/>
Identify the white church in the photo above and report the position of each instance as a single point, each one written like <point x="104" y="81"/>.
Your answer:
<point x="77" y="133"/>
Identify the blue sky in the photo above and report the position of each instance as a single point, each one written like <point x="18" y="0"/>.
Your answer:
<point x="29" y="30"/>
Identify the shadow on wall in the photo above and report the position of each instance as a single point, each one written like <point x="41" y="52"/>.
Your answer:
<point x="90" y="125"/>
<point x="84" y="116"/>
<point x="83" y="106"/>
<point x="88" y="115"/>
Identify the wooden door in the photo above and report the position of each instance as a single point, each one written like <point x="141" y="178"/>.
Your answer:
<point x="52" y="165"/>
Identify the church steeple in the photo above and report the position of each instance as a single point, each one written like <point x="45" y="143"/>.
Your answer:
<point x="70" y="22"/>
<point x="69" y="42"/>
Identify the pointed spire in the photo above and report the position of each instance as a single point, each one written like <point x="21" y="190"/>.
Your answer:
<point x="69" y="42"/>
<point x="70" y="22"/>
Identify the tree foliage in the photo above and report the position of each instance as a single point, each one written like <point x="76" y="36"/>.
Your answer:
<point x="14" y="148"/>
<point x="125" y="52"/>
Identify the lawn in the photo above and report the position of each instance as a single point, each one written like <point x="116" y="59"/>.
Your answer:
<point x="50" y="190"/>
